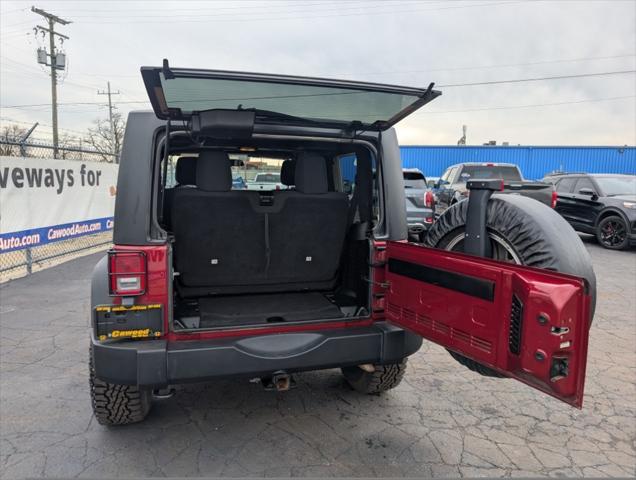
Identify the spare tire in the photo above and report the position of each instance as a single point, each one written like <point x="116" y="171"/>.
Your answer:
<point x="523" y="231"/>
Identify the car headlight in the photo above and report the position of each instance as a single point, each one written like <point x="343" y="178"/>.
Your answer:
<point x="629" y="205"/>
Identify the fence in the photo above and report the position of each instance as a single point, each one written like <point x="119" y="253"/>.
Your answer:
<point x="16" y="148"/>
<point x="17" y="263"/>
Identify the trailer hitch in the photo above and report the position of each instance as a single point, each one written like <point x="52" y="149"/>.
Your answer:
<point x="476" y="240"/>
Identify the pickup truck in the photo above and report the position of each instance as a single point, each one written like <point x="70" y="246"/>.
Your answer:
<point x="266" y="181"/>
<point x="420" y="206"/>
<point x="451" y="187"/>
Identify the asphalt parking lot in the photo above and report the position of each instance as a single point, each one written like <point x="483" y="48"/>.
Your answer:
<point x="443" y="420"/>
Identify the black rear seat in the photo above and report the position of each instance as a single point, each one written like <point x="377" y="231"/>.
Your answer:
<point x="227" y="243"/>
<point x="307" y="232"/>
<point x="220" y="239"/>
<point x="186" y="176"/>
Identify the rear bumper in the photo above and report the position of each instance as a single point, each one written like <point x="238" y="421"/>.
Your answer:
<point x="157" y="363"/>
<point x="417" y="226"/>
<point x="419" y="221"/>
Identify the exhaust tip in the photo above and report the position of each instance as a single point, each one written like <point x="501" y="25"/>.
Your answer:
<point x="281" y="382"/>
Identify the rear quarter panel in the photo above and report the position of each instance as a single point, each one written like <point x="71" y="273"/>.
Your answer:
<point x="135" y="179"/>
<point x="393" y="187"/>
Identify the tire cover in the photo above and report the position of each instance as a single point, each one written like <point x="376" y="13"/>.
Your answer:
<point x="540" y="236"/>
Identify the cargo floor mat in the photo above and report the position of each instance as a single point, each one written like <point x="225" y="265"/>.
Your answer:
<point x="261" y="309"/>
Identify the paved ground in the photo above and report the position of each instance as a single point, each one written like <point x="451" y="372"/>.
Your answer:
<point x="442" y="421"/>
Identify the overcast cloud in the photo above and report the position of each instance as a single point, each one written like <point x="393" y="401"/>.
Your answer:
<point x="402" y="42"/>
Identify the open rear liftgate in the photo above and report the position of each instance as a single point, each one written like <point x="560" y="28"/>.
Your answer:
<point x="526" y="323"/>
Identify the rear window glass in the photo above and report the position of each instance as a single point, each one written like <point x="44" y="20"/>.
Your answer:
<point x="565" y="185"/>
<point x="414" y="180"/>
<point x="485" y="171"/>
<point x="305" y="101"/>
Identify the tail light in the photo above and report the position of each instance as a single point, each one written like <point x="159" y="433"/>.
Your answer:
<point x="553" y="202"/>
<point x="127" y="272"/>
<point x="428" y="199"/>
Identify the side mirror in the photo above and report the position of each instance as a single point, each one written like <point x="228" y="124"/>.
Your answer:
<point x="347" y="188"/>
<point x="587" y="191"/>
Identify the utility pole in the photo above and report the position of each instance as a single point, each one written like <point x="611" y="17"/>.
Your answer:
<point x="58" y="62"/>
<point x="113" y="132"/>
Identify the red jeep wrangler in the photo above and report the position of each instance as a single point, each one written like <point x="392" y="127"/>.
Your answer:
<point x="207" y="281"/>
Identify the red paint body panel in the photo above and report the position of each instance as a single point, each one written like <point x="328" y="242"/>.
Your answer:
<point x="157" y="291"/>
<point x="157" y="280"/>
<point x="479" y="328"/>
<point x="244" y="332"/>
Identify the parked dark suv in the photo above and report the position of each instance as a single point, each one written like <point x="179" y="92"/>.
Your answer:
<point x="263" y="284"/>
<point x="600" y="204"/>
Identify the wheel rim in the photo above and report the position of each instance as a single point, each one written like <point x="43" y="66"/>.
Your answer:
<point x="500" y="248"/>
<point x="613" y="233"/>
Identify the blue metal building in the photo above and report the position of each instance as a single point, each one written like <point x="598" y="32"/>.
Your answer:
<point x="535" y="162"/>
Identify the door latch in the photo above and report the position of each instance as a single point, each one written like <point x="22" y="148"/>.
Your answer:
<point x="559" y="368"/>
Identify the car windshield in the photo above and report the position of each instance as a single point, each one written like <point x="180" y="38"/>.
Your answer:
<point x="414" y="180"/>
<point x="612" y="186"/>
<point x="311" y="102"/>
<point x="505" y="172"/>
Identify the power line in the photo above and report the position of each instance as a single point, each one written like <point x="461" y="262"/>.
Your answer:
<point x="437" y="69"/>
<point x="504" y="65"/>
<point x="537" y="79"/>
<point x="266" y="5"/>
<point x="253" y="19"/>
<point x="534" y="105"/>
<point x="6" y="12"/>
<point x="495" y="82"/>
<point x="58" y="61"/>
<point x="113" y="131"/>
<point x="265" y="10"/>
<point x="21" y="122"/>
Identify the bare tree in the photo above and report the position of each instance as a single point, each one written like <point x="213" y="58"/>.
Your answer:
<point x="105" y="140"/>
<point x="67" y="140"/>
<point x="10" y="133"/>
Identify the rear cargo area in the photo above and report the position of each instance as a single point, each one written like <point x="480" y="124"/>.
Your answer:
<point x="263" y="309"/>
<point x="297" y="252"/>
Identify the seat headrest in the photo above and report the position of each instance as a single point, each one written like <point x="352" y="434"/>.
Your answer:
<point x="311" y="173"/>
<point x="288" y="172"/>
<point x="214" y="172"/>
<point x="186" y="171"/>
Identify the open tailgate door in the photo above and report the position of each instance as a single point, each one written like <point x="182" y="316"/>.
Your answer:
<point x="180" y="93"/>
<point x="526" y="323"/>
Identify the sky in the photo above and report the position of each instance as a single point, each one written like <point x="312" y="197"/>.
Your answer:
<point x="403" y="42"/>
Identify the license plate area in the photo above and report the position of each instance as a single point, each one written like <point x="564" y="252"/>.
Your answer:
<point x="114" y="322"/>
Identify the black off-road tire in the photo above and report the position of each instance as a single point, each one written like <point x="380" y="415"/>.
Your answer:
<point x="539" y="236"/>
<point x="385" y="377"/>
<point x="616" y="221"/>
<point x="117" y="404"/>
